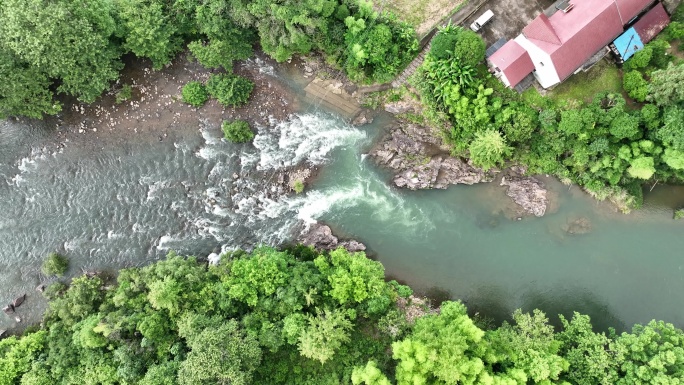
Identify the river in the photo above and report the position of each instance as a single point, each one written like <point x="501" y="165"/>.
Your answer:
<point x="129" y="204"/>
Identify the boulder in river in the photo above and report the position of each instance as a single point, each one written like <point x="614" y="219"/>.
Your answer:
<point x="526" y="191"/>
<point x="19" y="300"/>
<point x="422" y="161"/>
<point x="9" y="309"/>
<point x="321" y="237"/>
<point x="2" y="332"/>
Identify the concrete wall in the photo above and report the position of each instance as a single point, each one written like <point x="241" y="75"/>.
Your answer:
<point x="670" y="5"/>
<point x="545" y="73"/>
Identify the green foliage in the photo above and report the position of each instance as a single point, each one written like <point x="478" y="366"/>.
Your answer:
<point x="237" y="131"/>
<point x="298" y="186"/>
<point x="679" y="214"/>
<point x="640" y="59"/>
<point x="195" y="94"/>
<point x="17" y="355"/>
<point x="489" y="149"/>
<point x="55" y="264"/>
<point x="220" y="355"/>
<point x="78" y="52"/>
<point x="664" y="88"/>
<point x="25" y="89"/>
<point x="458" y="43"/>
<point x="444" y="348"/>
<point x="635" y="85"/>
<point x="125" y="93"/>
<point x="642" y="167"/>
<point x="652" y="354"/>
<point x="325" y="334"/>
<point x="230" y="90"/>
<point x="148" y="30"/>
<point x="299" y="316"/>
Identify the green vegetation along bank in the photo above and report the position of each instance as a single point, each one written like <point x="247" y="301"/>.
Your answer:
<point x="300" y="317"/>
<point x="610" y="144"/>
<point x="75" y="48"/>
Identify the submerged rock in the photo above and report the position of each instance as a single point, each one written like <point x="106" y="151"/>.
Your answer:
<point x="321" y="237"/>
<point x="578" y="226"/>
<point x="364" y="117"/>
<point x="526" y="191"/>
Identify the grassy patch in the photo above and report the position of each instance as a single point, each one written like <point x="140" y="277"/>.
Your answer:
<point x="582" y="87"/>
<point x="421" y="14"/>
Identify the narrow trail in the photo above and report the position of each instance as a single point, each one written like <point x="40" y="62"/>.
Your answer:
<point x="456" y="19"/>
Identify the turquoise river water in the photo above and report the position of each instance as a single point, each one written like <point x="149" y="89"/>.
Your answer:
<point x="129" y="204"/>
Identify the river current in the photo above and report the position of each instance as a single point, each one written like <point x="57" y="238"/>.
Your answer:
<point x="129" y="204"/>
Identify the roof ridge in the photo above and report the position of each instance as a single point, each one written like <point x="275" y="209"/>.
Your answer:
<point x="541" y="29"/>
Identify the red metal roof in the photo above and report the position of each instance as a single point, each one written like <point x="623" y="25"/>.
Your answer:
<point x="629" y="9"/>
<point x="541" y="29"/>
<point x="591" y="25"/>
<point x="652" y="23"/>
<point x="513" y="61"/>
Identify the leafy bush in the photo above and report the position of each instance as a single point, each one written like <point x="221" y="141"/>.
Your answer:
<point x="230" y="90"/>
<point x="237" y="131"/>
<point x="298" y="186"/>
<point x="442" y="46"/>
<point x="124" y="93"/>
<point x="55" y="264"/>
<point x="195" y="94"/>
<point x="679" y="214"/>
<point x="635" y="85"/>
<point x="640" y="59"/>
<point x="462" y="44"/>
<point x="489" y="149"/>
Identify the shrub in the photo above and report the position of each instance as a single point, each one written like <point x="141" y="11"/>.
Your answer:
<point x="124" y="94"/>
<point x="195" y="94"/>
<point x="230" y="90"/>
<point x="237" y="131"/>
<point x="55" y="264"/>
<point x="464" y="45"/>
<point x="298" y="186"/>
<point x="635" y="85"/>
<point x="442" y="46"/>
<point x="679" y="214"/>
<point x="640" y="59"/>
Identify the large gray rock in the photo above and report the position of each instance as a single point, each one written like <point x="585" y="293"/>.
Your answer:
<point x="321" y="237"/>
<point x="421" y="161"/>
<point x="528" y="192"/>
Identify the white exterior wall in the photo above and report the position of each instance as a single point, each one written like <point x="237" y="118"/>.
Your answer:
<point x="505" y="80"/>
<point x="546" y="74"/>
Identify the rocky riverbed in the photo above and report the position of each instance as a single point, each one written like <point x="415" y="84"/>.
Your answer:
<point x="421" y="160"/>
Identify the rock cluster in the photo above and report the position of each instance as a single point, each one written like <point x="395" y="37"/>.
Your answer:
<point x="526" y="191"/>
<point x="421" y="161"/>
<point x="321" y="237"/>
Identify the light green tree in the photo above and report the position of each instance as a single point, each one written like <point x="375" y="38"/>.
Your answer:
<point x="325" y="334"/>
<point x="79" y="51"/>
<point x="220" y="355"/>
<point x="489" y="149"/>
<point x="443" y="348"/>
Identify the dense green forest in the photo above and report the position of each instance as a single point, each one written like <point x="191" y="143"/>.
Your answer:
<point x="299" y="317"/>
<point x="610" y="146"/>
<point x="50" y="47"/>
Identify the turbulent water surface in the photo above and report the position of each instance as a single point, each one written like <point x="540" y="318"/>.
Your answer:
<point x="129" y="204"/>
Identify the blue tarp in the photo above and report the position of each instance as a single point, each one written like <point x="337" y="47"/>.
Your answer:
<point x="628" y="44"/>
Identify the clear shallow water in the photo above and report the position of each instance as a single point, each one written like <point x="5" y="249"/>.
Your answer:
<point x="129" y="204"/>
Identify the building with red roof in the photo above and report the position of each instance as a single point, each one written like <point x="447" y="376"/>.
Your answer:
<point x="652" y="23"/>
<point x="512" y="63"/>
<point x="558" y="45"/>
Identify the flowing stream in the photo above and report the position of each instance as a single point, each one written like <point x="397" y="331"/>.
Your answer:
<point x="129" y="204"/>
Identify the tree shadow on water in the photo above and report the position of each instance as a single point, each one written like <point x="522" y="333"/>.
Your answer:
<point x="566" y="302"/>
